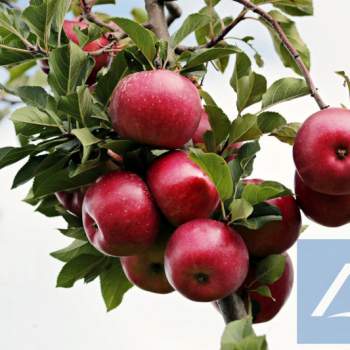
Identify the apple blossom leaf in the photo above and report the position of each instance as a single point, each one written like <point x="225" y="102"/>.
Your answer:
<point x="294" y="37"/>
<point x="142" y="37"/>
<point x="217" y="169"/>
<point x="70" y="66"/>
<point x="50" y="207"/>
<point x="346" y="79"/>
<point x="244" y="128"/>
<point x="76" y="248"/>
<point x="192" y="23"/>
<point x="270" y="269"/>
<point x="219" y="123"/>
<point x="255" y="194"/>
<point x="287" y="133"/>
<point x="248" y="85"/>
<point x="10" y="155"/>
<point x="87" y="139"/>
<point x="114" y="285"/>
<point x="206" y="55"/>
<point x="269" y="121"/>
<point x="209" y="141"/>
<point x="239" y="335"/>
<point x="9" y="56"/>
<point x="75" y="232"/>
<point x="35" y="96"/>
<point x="294" y="8"/>
<point x="240" y="209"/>
<point x="78" y="268"/>
<point x="283" y="90"/>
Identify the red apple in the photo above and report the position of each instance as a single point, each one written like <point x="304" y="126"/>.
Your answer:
<point x="147" y="270"/>
<point x="274" y="237"/>
<point x="325" y="209"/>
<point x="321" y="151"/>
<point x="159" y="108"/>
<point x="264" y="308"/>
<point x="203" y="127"/>
<point x="72" y="201"/>
<point x="181" y="189"/>
<point x="101" y="60"/>
<point x="206" y="260"/>
<point x="119" y="215"/>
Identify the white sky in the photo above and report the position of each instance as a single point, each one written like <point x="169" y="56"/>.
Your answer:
<point x="36" y="316"/>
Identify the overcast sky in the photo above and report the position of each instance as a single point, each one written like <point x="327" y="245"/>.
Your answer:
<point x="36" y="316"/>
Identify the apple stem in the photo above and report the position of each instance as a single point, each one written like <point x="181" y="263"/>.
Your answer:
<point x="232" y="308"/>
<point x="290" y="48"/>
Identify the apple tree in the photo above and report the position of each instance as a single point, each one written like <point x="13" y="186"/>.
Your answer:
<point x="118" y="136"/>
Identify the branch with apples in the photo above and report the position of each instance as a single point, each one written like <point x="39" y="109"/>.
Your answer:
<point x="154" y="180"/>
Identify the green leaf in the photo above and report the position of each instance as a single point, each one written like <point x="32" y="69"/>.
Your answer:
<point x="192" y="23"/>
<point x="141" y="36"/>
<point x="86" y="139"/>
<point x="70" y="66"/>
<point x="109" y="81"/>
<point x="269" y="121"/>
<point x="10" y="155"/>
<point x="75" y="232"/>
<point x="243" y="165"/>
<point x="139" y="15"/>
<point x="239" y="335"/>
<point x="77" y="269"/>
<point x="248" y="85"/>
<point x="206" y="55"/>
<point x="119" y="146"/>
<point x="114" y="285"/>
<point x="255" y="194"/>
<point x="28" y="171"/>
<point x="207" y="98"/>
<point x="264" y="291"/>
<point x="219" y="123"/>
<point x="217" y="169"/>
<point x="76" y="248"/>
<point x="270" y="269"/>
<point x="294" y="37"/>
<point x="287" y="133"/>
<point x="30" y="121"/>
<point x="240" y="209"/>
<point x="283" y="90"/>
<point x="40" y="15"/>
<point x="244" y="128"/>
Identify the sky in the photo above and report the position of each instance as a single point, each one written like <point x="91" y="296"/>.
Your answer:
<point x="36" y="316"/>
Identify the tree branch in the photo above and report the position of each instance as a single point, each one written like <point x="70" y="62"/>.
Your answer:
<point x="232" y="308"/>
<point x="157" y="19"/>
<point x="174" y="10"/>
<point x="290" y="48"/>
<point x="213" y="42"/>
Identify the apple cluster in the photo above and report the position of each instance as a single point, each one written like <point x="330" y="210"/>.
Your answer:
<point x="160" y="224"/>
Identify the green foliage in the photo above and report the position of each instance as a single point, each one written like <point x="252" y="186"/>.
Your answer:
<point x="239" y="335"/>
<point x="270" y="269"/>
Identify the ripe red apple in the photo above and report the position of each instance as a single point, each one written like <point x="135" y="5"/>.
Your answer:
<point x="72" y="201"/>
<point x="325" y="209"/>
<point x="264" y="308"/>
<point x="181" y="189"/>
<point x="275" y="237"/>
<point x="206" y="260"/>
<point x="147" y="269"/>
<point x="120" y="218"/>
<point x="203" y="127"/>
<point x="159" y="108"/>
<point x="101" y="60"/>
<point x="321" y="151"/>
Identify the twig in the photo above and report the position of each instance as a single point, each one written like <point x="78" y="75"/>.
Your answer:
<point x="232" y="308"/>
<point x="8" y="4"/>
<point x="174" y="10"/>
<point x="213" y="42"/>
<point x="290" y="48"/>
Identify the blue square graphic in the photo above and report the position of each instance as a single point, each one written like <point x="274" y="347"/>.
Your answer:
<point x="324" y="291"/>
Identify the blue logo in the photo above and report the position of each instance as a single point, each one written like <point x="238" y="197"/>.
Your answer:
<point x="324" y="291"/>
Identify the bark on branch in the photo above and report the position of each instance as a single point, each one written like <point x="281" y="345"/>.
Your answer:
<point x="290" y="48"/>
<point x="232" y="308"/>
